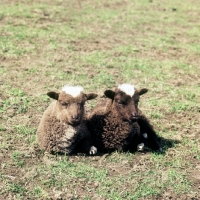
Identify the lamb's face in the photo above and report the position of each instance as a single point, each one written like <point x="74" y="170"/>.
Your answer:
<point x="125" y="101"/>
<point x="126" y="106"/>
<point x="71" y="108"/>
<point x="70" y="104"/>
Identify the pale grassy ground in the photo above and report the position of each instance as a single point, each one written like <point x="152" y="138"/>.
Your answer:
<point x="100" y="44"/>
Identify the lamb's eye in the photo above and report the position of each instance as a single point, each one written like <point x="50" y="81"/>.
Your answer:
<point x="121" y="103"/>
<point x="64" y="104"/>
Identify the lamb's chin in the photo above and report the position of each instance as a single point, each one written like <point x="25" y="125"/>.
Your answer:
<point x="74" y="123"/>
<point x="130" y="122"/>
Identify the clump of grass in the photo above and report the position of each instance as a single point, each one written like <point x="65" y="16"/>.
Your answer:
<point x="17" y="158"/>
<point x="99" y="44"/>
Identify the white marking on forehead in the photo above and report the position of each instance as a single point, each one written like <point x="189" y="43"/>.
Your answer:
<point x="72" y="90"/>
<point x="127" y="88"/>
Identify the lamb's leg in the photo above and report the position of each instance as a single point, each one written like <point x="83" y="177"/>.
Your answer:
<point x="86" y="146"/>
<point x="93" y="150"/>
<point x="153" y="141"/>
<point x="148" y="134"/>
<point x="140" y="147"/>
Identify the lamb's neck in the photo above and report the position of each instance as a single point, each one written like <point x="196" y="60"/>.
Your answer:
<point x="69" y="126"/>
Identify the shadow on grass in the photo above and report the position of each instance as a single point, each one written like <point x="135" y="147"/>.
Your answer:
<point x="165" y="145"/>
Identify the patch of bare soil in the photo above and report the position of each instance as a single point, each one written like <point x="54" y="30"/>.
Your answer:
<point x="34" y="83"/>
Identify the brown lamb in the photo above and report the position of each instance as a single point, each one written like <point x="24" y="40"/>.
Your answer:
<point x="118" y="124"/>
<point x="63" y="127"/>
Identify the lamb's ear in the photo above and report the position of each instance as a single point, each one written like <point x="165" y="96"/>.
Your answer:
<point x="142" y="91"/>
<point x="53" y="95"/>
<point x="91" y="96"/>
<point x="110" y="94"/>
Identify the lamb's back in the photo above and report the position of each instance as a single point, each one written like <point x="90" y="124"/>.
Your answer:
<point x="44" y="130"/>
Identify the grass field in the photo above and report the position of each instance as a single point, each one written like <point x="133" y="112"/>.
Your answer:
<point x="99" y="44"/>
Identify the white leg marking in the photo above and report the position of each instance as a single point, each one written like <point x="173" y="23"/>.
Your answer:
<point x="93" y="150"/>
<point x="140" y="147"/>
<point x="145" y="135"/>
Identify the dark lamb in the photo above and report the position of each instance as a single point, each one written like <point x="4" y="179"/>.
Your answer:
<point x="118" y="124"/>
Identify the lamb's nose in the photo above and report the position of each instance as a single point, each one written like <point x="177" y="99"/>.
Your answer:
<point x="134" y="116"/>
<point x="75" y="117"/>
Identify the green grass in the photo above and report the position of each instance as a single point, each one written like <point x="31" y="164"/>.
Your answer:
<point x="100" y="44"/>
<point x="17" y="159"/>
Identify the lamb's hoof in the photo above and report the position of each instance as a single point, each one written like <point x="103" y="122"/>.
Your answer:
<point x="140" y="147"/>
<point x="93" y="150"/>
<point x="145" y="135"/>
